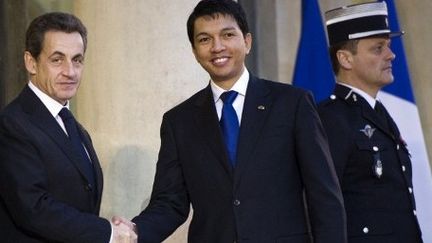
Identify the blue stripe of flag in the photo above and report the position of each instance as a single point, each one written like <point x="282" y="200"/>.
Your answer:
<point x="313" y="69"/>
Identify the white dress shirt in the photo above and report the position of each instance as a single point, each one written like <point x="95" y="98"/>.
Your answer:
<point x="53" y="106"/>
<point x="240" y="86"/>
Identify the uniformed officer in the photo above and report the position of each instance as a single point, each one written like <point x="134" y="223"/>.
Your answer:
<point x="371" y="159"/>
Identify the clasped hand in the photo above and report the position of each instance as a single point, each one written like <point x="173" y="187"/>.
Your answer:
<point x="124" y="231"/>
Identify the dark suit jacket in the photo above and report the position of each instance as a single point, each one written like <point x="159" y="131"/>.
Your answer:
<point x="378" y="209"/>
<point x="44" y="196"/>
<point x="282" y="158"/>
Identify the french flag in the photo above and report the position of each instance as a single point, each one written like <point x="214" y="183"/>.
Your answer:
<point x="398" y="98"/>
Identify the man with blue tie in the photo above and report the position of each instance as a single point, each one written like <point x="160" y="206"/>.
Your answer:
<point x="248" y="154"/>
<point x="50" y="176"/>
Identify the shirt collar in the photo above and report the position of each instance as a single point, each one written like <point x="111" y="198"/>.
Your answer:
<point x="240" y="86"/>
<point x="52" y="105"/>
<point x="370" y="100"/>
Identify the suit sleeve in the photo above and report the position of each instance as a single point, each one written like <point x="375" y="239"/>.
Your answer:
<point x="169" y="203"/>
<point x="323" y="194"/>
<point x="24" y="189"/>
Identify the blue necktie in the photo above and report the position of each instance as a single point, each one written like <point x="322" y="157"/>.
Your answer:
<point x="230" y="124"/>
<point x="75" y="138"/>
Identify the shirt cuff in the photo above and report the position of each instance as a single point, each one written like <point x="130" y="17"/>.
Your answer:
<point x="112" y="231"/>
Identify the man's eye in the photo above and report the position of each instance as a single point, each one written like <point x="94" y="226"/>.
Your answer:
<point x="204" y="39"/>
<point x="378" y="49"/>
<point x="56" y="60"/>
<point x="78" y="60"/>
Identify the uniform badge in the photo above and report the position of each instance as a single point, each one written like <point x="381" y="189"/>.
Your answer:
<point x="378" y="168"/>
<point x="368" y="131"/>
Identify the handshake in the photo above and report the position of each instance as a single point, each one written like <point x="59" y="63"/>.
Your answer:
<point x="124" y="231"/>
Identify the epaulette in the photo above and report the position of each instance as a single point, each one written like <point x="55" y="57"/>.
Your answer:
<point x="332" y="98"/>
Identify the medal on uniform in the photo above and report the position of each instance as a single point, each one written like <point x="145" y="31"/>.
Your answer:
<point x="377" y="167"/>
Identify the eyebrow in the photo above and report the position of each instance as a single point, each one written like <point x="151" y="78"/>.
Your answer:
<point x="383" y="42"/>
<point x="223" y="30"/>
<point x="57" y="53"/>
<point x="62" y="54"/>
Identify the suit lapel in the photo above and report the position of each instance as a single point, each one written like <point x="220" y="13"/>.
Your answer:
<point x="95" y="161"/>
<point x="368" y="113"/>
<point x="256" y="108"/>
<point x="392" y="126"/>
<point x="208" y="124"/>
<point x="42" y="118"/>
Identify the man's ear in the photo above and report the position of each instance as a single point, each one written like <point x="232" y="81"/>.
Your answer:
<point x="345" y="59"/>
<point x="248" y="42"/>
<point x="194" y="52"/>
<point x="30" y="63"/>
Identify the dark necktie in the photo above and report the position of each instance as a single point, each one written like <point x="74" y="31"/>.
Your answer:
<point x="230" y="124"/>
<point x="75" y="138"/>
<point x="382" y="114"/>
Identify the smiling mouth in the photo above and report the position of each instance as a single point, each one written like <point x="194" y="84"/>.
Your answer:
<point x="219" y="60"/>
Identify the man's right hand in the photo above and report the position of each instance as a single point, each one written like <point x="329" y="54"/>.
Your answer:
<point x="123" y="233"/>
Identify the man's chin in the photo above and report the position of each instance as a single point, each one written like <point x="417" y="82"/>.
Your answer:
<point x="388" y="81"/>
<point x="64" y="97"/>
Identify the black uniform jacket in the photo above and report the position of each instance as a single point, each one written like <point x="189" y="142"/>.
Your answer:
<point x="374" y="169"/>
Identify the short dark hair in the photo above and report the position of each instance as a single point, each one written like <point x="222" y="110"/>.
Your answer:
<point x="214" y="7"/>
<point x="350" y="45"/>
<point x="54" y="21"/>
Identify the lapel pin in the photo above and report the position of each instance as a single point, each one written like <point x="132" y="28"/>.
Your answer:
<point x="261" y="107"/>
<point x="368" y="131"/>
<point x="355" y="97"/>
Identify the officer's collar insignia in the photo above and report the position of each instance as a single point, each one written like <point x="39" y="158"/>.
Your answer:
<point x="351" y="94"/>
<point x="368" y="131"/>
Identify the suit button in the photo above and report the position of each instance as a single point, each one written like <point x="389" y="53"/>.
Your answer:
<point x="88" y="187"/>
<point x="365" y="230"/>
<point x="375" y="148"/>
<point x="403" y="168"/>
<point x="410" y="190"/>
<point x="397" y="147"/>
<point x="415" y="213"/>
<point x="236" y="202"/>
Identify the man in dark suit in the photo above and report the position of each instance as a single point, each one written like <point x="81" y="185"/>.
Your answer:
<point x="273" y="182"/>
<point x="371" y="159"/>
<point x="50" y="177"/>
